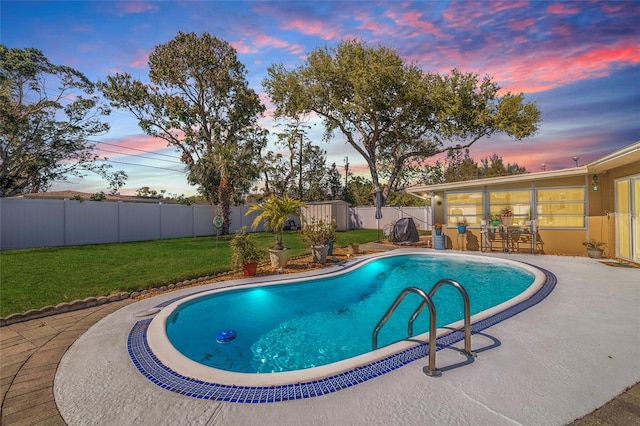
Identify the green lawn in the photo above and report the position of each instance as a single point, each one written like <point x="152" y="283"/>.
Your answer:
<point x="34" y="278"/>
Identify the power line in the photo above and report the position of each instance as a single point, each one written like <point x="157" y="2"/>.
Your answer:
<point x="134" y="149"/>
<point x="138" y="155"/>
<point x="142" y="165"/>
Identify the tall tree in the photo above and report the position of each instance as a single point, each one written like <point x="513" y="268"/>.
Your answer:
<point x="459" y="167"/>
<point x="359" y="192"/>
<point x="406" y="200"/>
<point x="278" y="169"/>
<point x="47" y="114"/>
<point x="334" y="183"/>
<point x="299" y="172"/>
<point x="391" y="112"/>
<point x="315" y="186"/>
<point x="199" y="101"/>
<point x="494" y="166"/>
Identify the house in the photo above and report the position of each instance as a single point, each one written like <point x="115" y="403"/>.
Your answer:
<point x="599" y="200"/>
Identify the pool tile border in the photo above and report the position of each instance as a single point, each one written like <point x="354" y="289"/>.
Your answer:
<point x="159" y="374"/>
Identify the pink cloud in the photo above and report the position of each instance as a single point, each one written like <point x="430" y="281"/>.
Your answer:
<point x="500" y="6"/>
<point x="611" y="7"/>
<point x="369" y="24"/>
<point x="264" y="40"/>
<point x="242" y="47"/>
<point x="134" y="7"/>
<point x="413" y="19"/>
<point x="562" y="9"/>
<point x="375" y="27"/>
<point x="141" y="60"/>
<point x="311" y="27"/>
<point x="518" y="64"/>
<point x="466" y="15"/>
<point x="539" y="72"/>
<point x="564" y="30"/>
<point x="521" y="24"/>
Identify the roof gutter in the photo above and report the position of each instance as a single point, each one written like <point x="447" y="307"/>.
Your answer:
<point x="526" y="177"/>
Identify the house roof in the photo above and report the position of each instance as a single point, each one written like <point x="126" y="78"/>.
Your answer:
<point x="627" y="155"/>
<point x="59" y="195"/>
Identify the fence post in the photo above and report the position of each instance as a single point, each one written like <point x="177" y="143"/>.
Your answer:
<point x="119" y="222"/>
<point x="160" y="219"/>
<point x="64" y="221"/>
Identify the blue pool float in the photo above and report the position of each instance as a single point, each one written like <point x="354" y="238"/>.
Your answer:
<point x="226" y="336"/>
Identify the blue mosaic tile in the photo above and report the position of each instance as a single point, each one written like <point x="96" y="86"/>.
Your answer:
<point x="149" y="366"/>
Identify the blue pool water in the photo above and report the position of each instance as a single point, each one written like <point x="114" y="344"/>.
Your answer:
<point x="315" y="322"/>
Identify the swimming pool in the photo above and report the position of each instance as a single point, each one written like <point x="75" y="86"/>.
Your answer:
<point x="316" y="322"/>
<point x="262" y="295"/>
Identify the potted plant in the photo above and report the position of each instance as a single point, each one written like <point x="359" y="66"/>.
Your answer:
<point x="353" y="247"/>
<point x="274" y="214"/>
<point x="506" y="216"/>
<point x="594" y="248"/>
<point x="314" y="233"/>
<point x="330" y="235"/>
<point x="462" y="226"/>
<point x="438" y="228"/>
<point x="496" y="219"/>
<point x="245" y="252"/>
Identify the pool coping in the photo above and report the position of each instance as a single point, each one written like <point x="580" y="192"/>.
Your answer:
<point x="161" y="375"/>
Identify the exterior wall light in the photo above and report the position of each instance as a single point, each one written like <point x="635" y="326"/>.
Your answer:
<point x="595" y="184"/>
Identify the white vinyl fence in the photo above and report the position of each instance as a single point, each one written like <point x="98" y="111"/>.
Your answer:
<point x="364" y="217"/>
<point x="26" y="223"/>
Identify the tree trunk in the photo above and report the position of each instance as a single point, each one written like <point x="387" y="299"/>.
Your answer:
<point x="224" y="203"/>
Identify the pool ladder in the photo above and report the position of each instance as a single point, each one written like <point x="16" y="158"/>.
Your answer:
<point x="427" y="300"/>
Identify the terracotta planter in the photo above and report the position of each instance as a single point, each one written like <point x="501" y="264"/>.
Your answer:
<point x="250" y="269"/>
<point x="506" y="220"/>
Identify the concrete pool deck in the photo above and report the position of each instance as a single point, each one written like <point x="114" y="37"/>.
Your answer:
<point x="551" y="364"/>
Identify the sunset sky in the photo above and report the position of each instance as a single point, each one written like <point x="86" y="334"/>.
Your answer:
<point x="578" y="60"/>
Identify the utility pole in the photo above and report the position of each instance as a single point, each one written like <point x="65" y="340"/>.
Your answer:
<point x="346" y="172"/>
<point x="300" y="181"/>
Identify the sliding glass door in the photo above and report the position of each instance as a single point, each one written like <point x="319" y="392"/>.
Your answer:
<point x="628" y="218"/>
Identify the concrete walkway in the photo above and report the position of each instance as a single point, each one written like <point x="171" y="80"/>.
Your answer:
<point x="32" y="351"/>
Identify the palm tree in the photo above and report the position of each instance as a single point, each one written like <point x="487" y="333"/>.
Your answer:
<point x="275" y="213"/>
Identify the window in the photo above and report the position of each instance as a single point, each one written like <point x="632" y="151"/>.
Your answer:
<point x="465" y="206"/>
<point x="561" y="208"/>
<point x="518" y="201"/>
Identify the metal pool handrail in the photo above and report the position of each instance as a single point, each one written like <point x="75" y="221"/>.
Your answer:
<point x="432" y="370"/>
<point x="467" y="311"/>
<point x="427" y="300"/>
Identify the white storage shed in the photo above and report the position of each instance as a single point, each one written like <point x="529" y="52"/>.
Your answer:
<point x="327" y="211"/>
